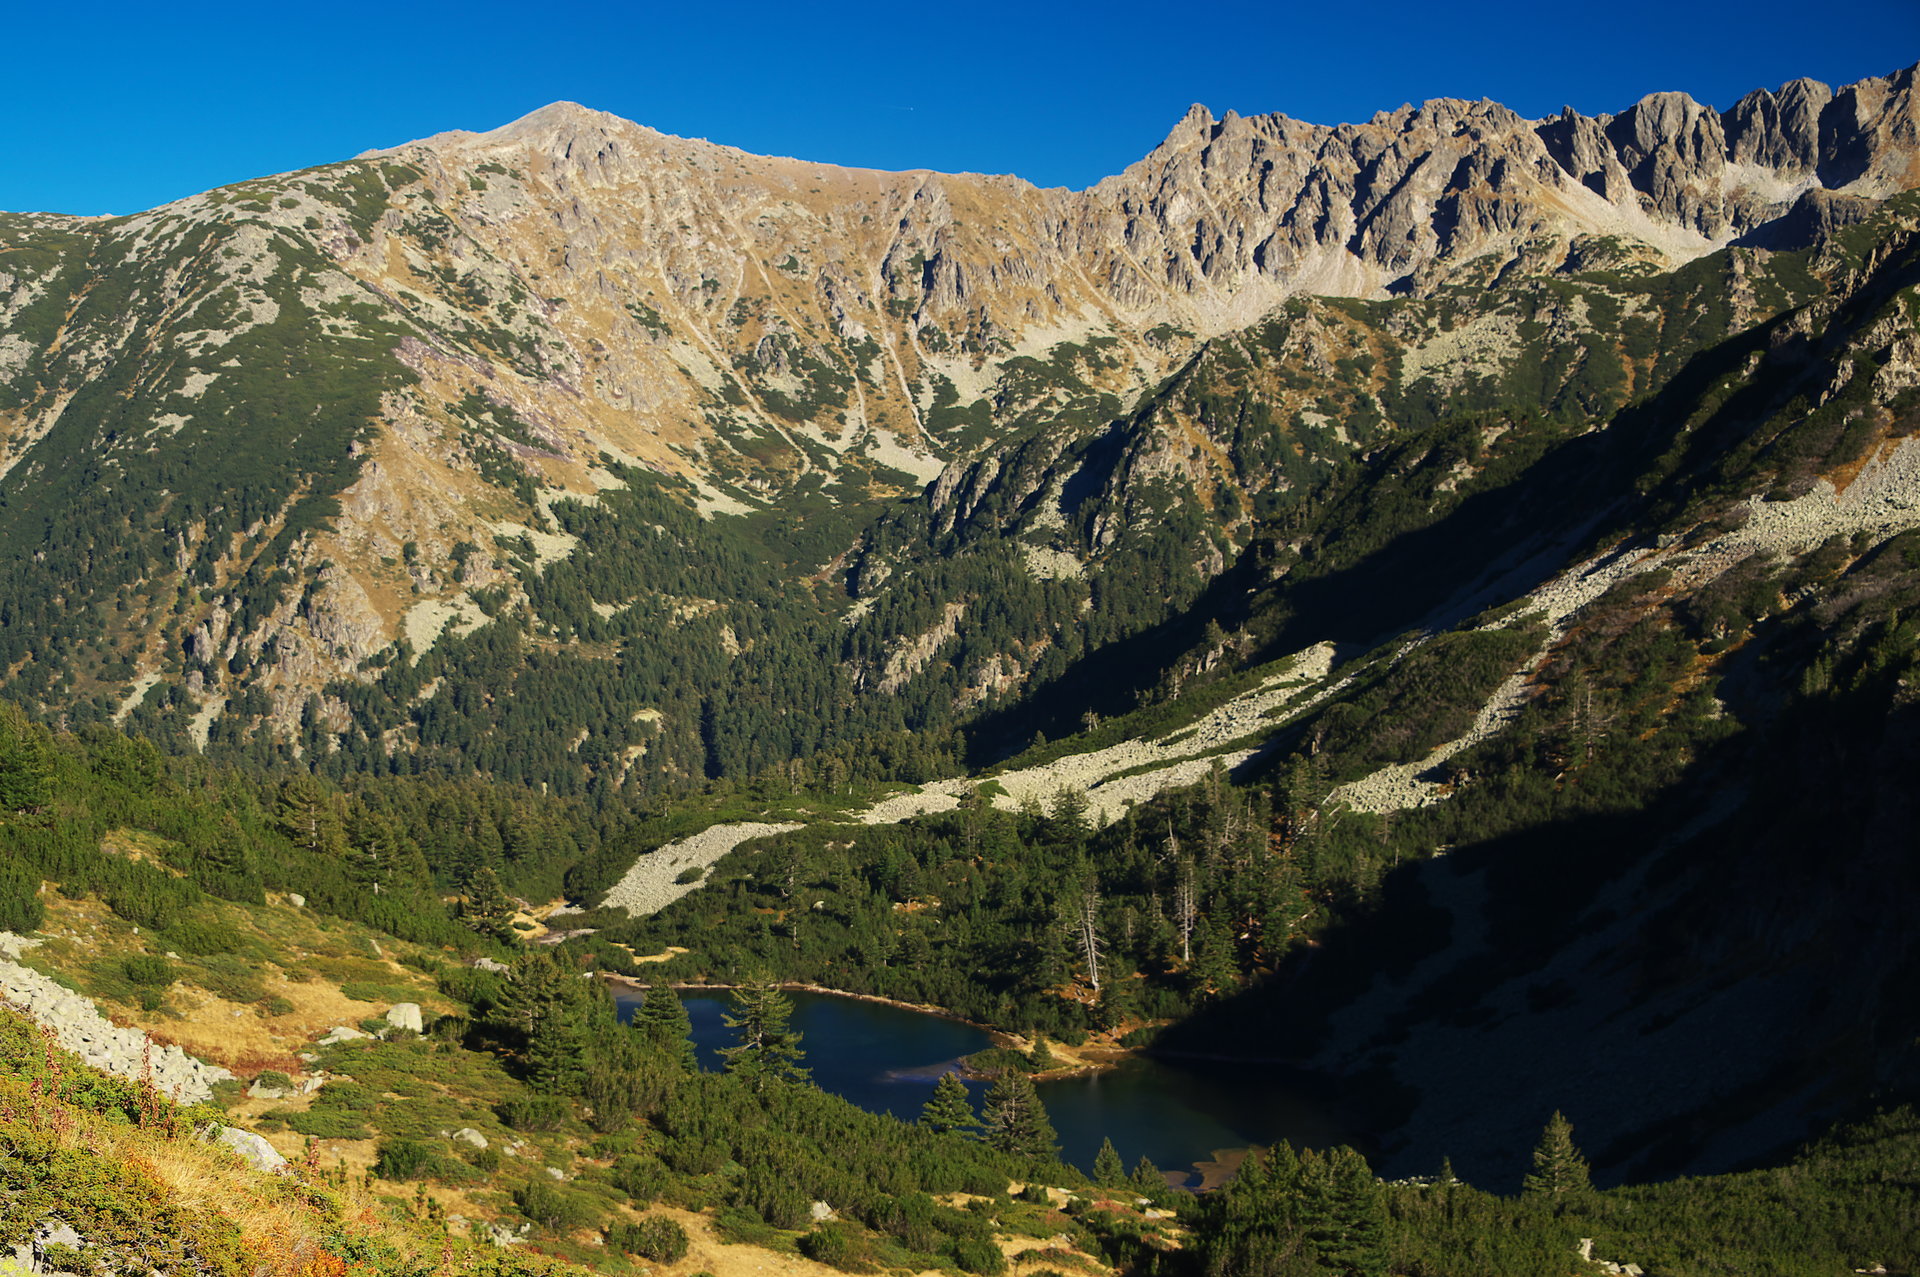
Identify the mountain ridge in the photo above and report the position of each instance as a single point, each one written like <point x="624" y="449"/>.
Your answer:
<point x="536" y="311"/>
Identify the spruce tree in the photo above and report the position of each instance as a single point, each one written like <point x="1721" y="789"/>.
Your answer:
<point x="1343" y="1208"/>
<point x="662" y="1021"/>
<point x="1146" y="1179"/>
<point x="488" y="909"/>
<point x="949" y="1110"/>
<point x="1558" y="1168"/>
<point x="26" y="762"/>
<point x="1014" y="1118"/>
<point x="1108" y="1170"/>
<point x="768" y="1050"/>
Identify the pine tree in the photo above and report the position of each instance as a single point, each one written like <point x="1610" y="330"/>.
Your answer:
<point x="1212" y="973"/>
<point x="1558" y="1168"/>
<point x="1067" y="820"/>
<point x="545" y="1000"/>
<point x="1108" y="1170"/>
<point x="1146" y="1179"/>
<point x="769" y="1051"/>
<point x="380" y="857"/>
<point x="662" y="1021"/>
<point x="26" y="762"/>
<point x="950" y="1109"/>
<point x="1343" y="1208"/>
<point x="1255" y="1225"/>
<point x="1015" y="1120"/>
<point x="488" y="909"/>
<point x="310" y="817"/>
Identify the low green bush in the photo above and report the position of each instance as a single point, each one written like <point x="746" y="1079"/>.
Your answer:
<point x="149" y="971"/>
<point x="838" y="1245"/>
<point x="694" y="1157"/>
<point x="229" y="977"/>
<point x="534" y="1113"/>
<point x="977" y="1255"/>
<point x="640" y="1176"/>
<point x="999" y="1059"/>
<point x="403" y="1159"/>
<point x="200" y="937"/>
<point x="554" y="1208"/>
<point x="655" y="1237"/>
<point x="324" y="1124"/>
<point x="364" y="991"/>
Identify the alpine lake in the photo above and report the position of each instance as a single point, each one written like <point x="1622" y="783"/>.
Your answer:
<point x="1192" y="1119"/>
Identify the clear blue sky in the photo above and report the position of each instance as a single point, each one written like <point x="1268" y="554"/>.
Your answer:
<point x="112" y="107"/>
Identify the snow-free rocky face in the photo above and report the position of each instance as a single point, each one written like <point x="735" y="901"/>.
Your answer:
<point x="267" y="444"/>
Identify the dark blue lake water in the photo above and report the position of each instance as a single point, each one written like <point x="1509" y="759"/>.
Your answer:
<point x="886" y="1059"/>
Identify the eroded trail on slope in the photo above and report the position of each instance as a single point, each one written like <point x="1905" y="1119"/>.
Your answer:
<point x="1111" y="779"/>
<point x="1883" y="500"/>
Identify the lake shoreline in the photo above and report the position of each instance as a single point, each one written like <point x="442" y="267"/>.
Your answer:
<point x="1080" y="1064"/>
<point x="1198" y="1150"/>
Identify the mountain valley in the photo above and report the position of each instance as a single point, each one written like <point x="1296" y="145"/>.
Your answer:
<point x="1426" y="606"/>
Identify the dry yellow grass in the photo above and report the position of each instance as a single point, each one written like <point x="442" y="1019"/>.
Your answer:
<point x="239" y="1036"/>
<point x="285" y="1222"/>
<point x="315" y="1218"/>
<point x="706" y="1252"/>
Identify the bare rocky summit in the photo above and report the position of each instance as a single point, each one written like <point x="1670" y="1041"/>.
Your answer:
<point x="437" y="342"/>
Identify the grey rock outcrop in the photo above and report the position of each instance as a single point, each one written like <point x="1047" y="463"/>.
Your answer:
<point x="502" y="1236"/>
<point x="1779" y="130"/>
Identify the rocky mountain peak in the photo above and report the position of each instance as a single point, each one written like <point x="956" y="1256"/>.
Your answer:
<point x="573" y="294"/>
<point x="1195" y="127"/>
<point x="1779" y="130"/>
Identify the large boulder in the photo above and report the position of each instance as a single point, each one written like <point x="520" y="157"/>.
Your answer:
<point x="253" y="1149"/>
<point x="406" y="1015"/>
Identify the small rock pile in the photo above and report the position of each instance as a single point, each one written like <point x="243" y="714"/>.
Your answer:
<point x="78" y="1026"/>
